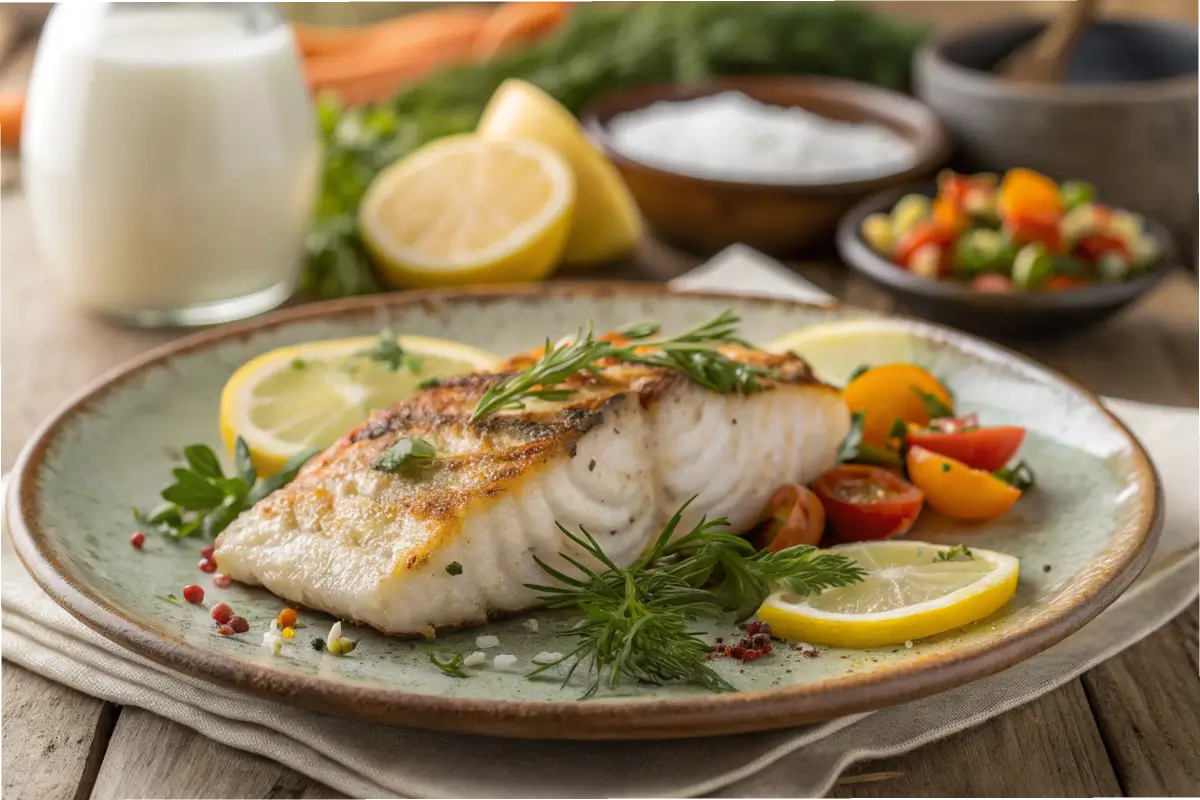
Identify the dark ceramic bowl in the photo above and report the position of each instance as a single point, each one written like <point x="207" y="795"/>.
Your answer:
<point x="1124" y="119"/>
<point x="1008" y="315"/>
<point x="708" y="215"/>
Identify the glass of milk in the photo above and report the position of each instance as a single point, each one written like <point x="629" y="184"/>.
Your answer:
<point x="170" y="158"/>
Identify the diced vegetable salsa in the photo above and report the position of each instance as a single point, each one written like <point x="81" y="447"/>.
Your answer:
<point x="1024" y="232"/>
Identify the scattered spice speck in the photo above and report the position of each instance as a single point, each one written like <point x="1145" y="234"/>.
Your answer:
<point x="207" y="565"/>
<point x="454" y="568"/>
<point x="222" y="613"/>
<point x="318" y="644"/>
<point x="137" y="539"/>
<point x="239" y="624"/>
<point x="1045" y="567"/>
<point x="225" y="630"/>
<point x="222" y="581"/>
<point x="192" y="593"/>
<point x="754" y="645"/>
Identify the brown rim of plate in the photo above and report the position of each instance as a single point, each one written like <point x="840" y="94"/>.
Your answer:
<point x="720" y="714"/>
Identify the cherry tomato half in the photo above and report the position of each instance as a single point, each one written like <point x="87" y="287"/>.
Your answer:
<point x="794" y="516"/>
<point x="863" y="502"/>
<point x="922" y="234"/>
<point x="956" y="490"/>
<point x="1027" y="228"/>
<point x="987" y="449"/>
<point x="1063" y="283"/>
<point x="1095" y="245"/>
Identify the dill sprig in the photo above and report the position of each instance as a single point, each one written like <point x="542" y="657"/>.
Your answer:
<point x="636" y="621"/>
<point x="690" y="353"/>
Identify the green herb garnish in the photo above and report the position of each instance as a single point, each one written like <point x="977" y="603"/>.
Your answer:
<point x="453" y="667"/>
<point x="859" y="370"/>
<point x="899" y="429"/>
<point x="953" y="553"/>
<point x="934" y="406"/>
<point x="454" y="568"/>
<point x="204" y="499"/>
<point x="387" y="351"/>
<point x="1018" y="475"/>
<point x="690" y="353"/>
<point x="406" y="454"/>
<point x="637" y="621"/>
<point x="854" y="450"/>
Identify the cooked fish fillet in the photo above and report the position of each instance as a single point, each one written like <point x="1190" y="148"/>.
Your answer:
<point x="619" y="458"/>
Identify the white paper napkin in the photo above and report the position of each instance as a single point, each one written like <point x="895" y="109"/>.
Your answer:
<point x="367" y="760"/>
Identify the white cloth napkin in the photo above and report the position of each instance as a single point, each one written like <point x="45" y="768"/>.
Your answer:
<point x="365" y="760"/>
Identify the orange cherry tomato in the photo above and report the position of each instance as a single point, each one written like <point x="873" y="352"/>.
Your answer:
<point x="1095" y="245"/>
<point x="1026" y="228"/>
<point x="890" y="392"/>
<point x="863" y="502"/>
<point x="956" y="490"/>
<point x="950" y="215"/>
<point x="794" y="516"/>
<point x="1025" y="193"/>
<point x="987" y="449"/>
<point x="922" y="234"/>
<point x="991" y="282"/>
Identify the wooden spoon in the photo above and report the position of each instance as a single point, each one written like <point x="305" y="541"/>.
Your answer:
<point x="1045" y="59"/>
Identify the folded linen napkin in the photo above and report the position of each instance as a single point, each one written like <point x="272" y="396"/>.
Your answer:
<point x="365" y="760"/>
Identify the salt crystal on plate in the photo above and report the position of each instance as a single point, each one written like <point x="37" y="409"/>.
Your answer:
<point x="475" y="659"/>
<point x="504" y="661"/>
<point x="486" y="641"/>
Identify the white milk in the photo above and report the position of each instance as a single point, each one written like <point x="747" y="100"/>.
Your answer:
<point x="171" y="160"/>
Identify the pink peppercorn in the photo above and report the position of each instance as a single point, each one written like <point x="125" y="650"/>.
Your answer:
<point x="225" y="630"/>
<point x="137" y="539"/>
<point x="222" y="613"/>
<point x="207" y="565"/>
<point x="239" y="625"/>
<point x="193" y="593"/>
<point x="206" y="552"/>
<point x="221" y="580"/>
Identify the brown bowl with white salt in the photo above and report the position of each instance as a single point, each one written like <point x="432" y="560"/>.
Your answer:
<point x="772" y="162"/>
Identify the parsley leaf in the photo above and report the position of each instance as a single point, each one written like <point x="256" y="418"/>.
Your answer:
<point x="387" y="351"/>
<point x="1018" y="475"/>
<point x="934" y="406"/>
<point x="953" y="553"/>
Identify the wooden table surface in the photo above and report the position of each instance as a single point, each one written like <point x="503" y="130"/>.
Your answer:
<point x="1130" y="726"/>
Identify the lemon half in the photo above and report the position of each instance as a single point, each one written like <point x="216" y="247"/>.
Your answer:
<point x="465" y="210"/>
<point x="305" y="397"/>
<point x="907" y="594"/>
<point x="836" y="349"/>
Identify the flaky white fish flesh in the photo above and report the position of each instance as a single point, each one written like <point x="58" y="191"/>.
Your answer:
<point x="618" y="458"/>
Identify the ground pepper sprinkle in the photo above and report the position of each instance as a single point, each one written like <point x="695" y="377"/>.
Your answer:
<point x="755" y="644"/>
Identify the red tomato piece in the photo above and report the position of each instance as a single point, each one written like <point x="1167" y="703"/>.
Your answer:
<point x="1026" y="229"/>
<point x="992" y="282"/>
<point x="923" y="233"/>
<point x="1095" y="245"/>
<point x="1063" y="283"/>
<point x="987" y="449"/>
<point x="863" y="502"/>
<point x="794" y="516"/>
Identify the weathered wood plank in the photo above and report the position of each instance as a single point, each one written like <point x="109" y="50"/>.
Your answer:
<point x="1147" y="701"/>
<point x="1048" y="748"/>
<point x="150" y="756"/>
<point x="54" y="738"/>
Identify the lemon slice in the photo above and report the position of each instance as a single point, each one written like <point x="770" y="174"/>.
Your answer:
<point x="465" y="210"/>
<point x="907" y="594"/>
<point x="294" y="399"/>
<point x="607" y="223"/>
<point x="836" y="349"/>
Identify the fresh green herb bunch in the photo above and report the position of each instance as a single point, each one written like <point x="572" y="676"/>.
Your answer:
<point x="203" y="499"/>
<point x="636" y="622"/>
<point x="603" y="47"/>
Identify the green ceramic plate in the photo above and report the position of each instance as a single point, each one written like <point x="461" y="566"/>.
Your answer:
<point x="1082" y="536"/>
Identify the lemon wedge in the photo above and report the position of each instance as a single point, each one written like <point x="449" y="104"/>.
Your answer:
<point x="294" y="399"/>
<point x="465" y="210"/>
<point x="835" y="349"/>
<point x="908" y="593"/>
<point x="607" y="223"/>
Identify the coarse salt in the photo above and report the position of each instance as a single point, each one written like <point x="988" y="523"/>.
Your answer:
<point x="530" y="625"/>
<point x="475" y="659"/>
<point x="547" y="658"/>
<point x="908" y="644"/>
<point x="504" y="661"/>
<point x="487" y="641"/>
<point x="729" y="136"/>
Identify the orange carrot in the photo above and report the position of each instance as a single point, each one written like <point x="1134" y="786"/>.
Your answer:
<point x="12" y="109"/>
<point x="315" y="41"/>
<point x="515" y="24"/>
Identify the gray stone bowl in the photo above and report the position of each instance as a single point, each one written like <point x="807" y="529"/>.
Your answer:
<point x="1124" y="119"/>
<point x="1005" y="316"/>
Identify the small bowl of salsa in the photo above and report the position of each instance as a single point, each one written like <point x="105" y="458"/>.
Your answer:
<point x="1012" y="255"/>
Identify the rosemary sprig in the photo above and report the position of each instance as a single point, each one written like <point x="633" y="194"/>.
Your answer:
<point x="203" y="499"/>
<point x="690" y="353"/>
<point x="636" y="622"/>
<point x="453" y="667"/>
